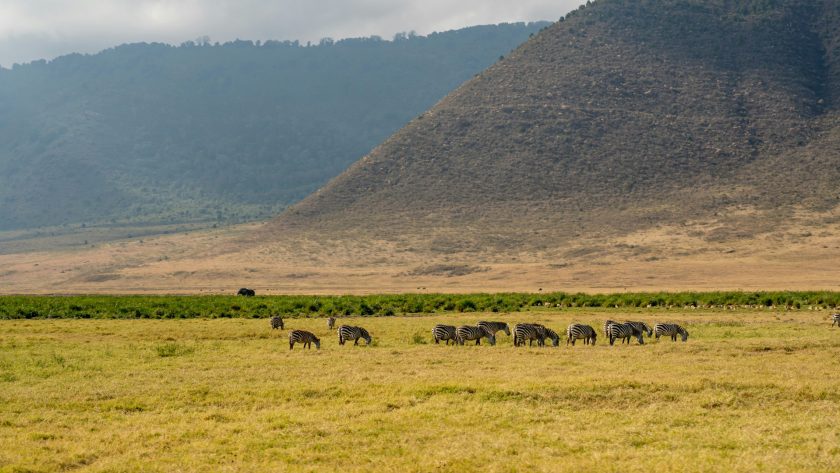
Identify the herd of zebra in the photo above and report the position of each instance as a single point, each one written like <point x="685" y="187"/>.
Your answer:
<point x="536" y="332"/>
<point x="624" y="331"/>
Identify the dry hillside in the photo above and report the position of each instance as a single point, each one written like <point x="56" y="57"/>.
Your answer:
<point x="625" y="116"/>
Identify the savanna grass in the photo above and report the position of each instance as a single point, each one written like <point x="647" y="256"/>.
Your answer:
<point x="749" y="391"/>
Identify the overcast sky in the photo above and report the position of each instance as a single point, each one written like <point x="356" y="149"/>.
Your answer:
<point x="36" y="29"/>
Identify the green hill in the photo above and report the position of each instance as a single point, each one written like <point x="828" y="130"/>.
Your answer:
<point x="626" y="115"/>
<point x="151" y="133"/>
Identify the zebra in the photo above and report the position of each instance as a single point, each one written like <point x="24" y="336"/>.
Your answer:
<point x="607" y="327"/>
<point x="302" y="336"/>
<point x="671" y="330"/>
<point x="548" y="333"/>
<point x="494" y="327"/>
<point x="529" y="332"/>
<point x="575" y="332"/>
<point x="347" y="332"/>
<point x="639" y="329"/>
<point x="277" y="322"/>
<point x="624" y="331"/>
<point x="835" y="320"/>
<point x="444" y="332"/>
<point x="469" y="332"/>
<point x="331" y="323"/>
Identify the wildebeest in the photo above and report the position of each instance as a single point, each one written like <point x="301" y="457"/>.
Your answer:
<point x="246" y="292"/>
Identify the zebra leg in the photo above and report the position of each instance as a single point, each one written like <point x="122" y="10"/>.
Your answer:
<point x="478" y="341"/>
<point x="612" y="340"/>
<point x="356" y="342"/>
<point x="291" y="345"/>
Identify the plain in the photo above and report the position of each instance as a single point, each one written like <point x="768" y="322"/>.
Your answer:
<point x="749" y="391"/>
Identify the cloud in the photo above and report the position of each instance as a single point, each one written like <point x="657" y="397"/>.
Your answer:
<point x="35" y="29"/>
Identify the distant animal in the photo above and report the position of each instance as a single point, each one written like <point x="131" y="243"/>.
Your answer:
<point x="548" y="333"/>
<point x="835" y="320"/>
<point x="529" y="333"/>
<point x="640" y="328"/>
<point x="331" y="323"/>
<point x="607" y="328"/>
<point x="575" y="332"/>
<point x="671" y="330"/>
<point x="246" y="292"/>
<point x="302" y="336"/>
<point x="494" y="327"/>
<point x="624" y="331"/>
<point x="277" y="322"/>
<point x="348" y="332"/>
<point x="444" y="333"/>
<point x="467" y="333"/>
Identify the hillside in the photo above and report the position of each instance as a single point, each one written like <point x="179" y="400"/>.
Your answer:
<point x="720" y="119"/>
<point x="151" y="133"/>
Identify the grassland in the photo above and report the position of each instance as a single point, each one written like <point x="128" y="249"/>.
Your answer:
<point x="749" y="391"/>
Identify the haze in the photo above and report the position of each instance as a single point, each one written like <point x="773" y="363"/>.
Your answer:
<point x="44" y="29"/>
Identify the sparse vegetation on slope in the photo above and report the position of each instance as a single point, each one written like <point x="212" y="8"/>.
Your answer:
<point x="623" y="116"/>
<point x="156" y="133"/>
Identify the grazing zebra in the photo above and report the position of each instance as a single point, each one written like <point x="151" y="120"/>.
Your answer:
<point x="276" y="322"/>
<point x="468" y="333"/>
<point x="671" y="330"/>
<point x="494" y="327"/>
<point x="302" y="336"/>
<point x="576" y="332"/>
<point x="835" y="319"/>
<point x="640" y="329"/>
<point x="444" y="332"/>
<point x="529" y="332"/>
<point x="548" y="333"/>
<point x="347" y="332"/>
<point x="331" y="323"/>
<point x="624" y="331"/>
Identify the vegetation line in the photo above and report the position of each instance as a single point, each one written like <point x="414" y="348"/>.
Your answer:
<point x="171" y="307"/>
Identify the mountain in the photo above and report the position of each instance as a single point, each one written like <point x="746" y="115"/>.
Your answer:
<point x="717" y="120"/>
<point x="152" y="133"/>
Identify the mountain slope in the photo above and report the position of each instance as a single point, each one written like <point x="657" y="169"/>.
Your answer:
<point x="155" y="133"/>
<point x="625" y="115"/>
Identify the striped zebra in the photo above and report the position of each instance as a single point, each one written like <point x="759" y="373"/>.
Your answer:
<point x="466" y="333"/>
<point x="640" y="328"/>
<point x="347" y="332"/>
<point x="835" y="320"/>
<point x="577" y="332"/>
<point x="444" y="332"/>
<point x="548" y="333"/>
<point x="276" y="322"/>
<point x="302" y="336"/>
<point x="607" y="328"/>
<point x="624" y="331"/>
<point x="331" y="323"/>
<point x="493" y="327"/>
<point x="671" y="330"/>
<point x="529" y="332"/>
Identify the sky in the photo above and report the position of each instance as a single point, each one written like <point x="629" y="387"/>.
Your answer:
<point x="45" y="29"/>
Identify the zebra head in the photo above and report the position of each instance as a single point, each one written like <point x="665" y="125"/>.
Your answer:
<point x="648" y="329"/>
<point x="506" y="329"/>
<point x="684" y="334"/>
<point x="317" y="342"/>
<point x="364" y="333"/>
<point x="491" y="339"/>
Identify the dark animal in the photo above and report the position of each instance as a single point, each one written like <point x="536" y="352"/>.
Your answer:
<point x="246" y="292"/>
<point x="277" y="322"/>
<point x="347" y="332"/>
<point x="302" y="336"/>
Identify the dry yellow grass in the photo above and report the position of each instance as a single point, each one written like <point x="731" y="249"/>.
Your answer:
<point x="748" y="392"/>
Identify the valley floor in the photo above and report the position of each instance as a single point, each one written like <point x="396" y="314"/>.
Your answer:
<point x="749" y="391"/>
